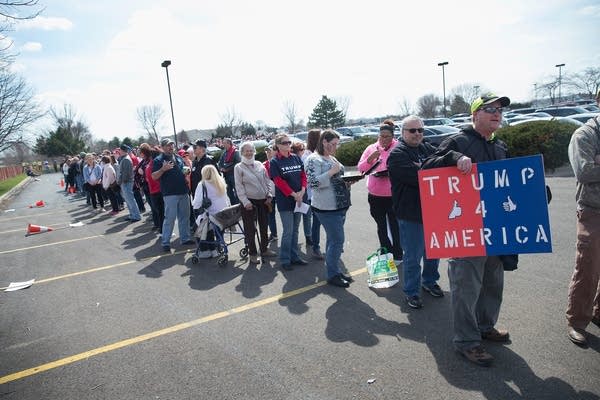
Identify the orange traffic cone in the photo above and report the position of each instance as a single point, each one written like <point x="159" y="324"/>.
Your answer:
<point x="39" y="203"/>
<point x="62" y="183"/>
<point x="35" y="229"/>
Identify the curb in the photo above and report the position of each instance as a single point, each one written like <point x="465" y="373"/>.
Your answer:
<point x="8" y="196"/>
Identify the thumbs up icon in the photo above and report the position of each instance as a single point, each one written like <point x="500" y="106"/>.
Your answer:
<point x="456" y="210"/>
<point x="508" y="205"/>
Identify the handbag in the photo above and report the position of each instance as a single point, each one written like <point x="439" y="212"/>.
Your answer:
<point x="206" y="202"/>
<point x="381" y="269"/>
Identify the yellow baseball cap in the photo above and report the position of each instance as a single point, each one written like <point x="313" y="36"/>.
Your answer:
<point x="488" y="99"/>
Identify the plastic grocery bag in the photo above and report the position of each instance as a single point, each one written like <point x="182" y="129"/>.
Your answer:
<point x="382" y="269"/>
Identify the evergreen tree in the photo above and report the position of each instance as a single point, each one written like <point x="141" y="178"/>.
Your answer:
<point x="326" y="115"/>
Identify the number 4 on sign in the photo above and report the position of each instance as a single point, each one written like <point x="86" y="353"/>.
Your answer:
<point x="481" y="209"/>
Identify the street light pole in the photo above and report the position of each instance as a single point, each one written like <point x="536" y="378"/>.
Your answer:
<point x="442" y="64"/>
<point x="165" y="64"/>
<point x="559" y="66"/>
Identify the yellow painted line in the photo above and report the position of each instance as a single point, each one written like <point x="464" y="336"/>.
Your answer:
<point x="48" y="244"/>
<point x="103" y="268"/>
<point x="152" y="335"/>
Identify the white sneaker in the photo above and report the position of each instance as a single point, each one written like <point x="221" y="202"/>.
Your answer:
<point x="204" y="254"/>
<point x="214" y="253"/>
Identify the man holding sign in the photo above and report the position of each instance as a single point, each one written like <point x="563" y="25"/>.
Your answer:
<point x="476" y="282"/>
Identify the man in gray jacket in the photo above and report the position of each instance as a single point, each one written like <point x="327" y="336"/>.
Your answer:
<point x="584" y="291"/>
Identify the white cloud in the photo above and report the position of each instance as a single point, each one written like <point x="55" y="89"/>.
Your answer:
<point x="593" y="11"/>
<point x="32" y="46"/>
<point x="45" y="23"/>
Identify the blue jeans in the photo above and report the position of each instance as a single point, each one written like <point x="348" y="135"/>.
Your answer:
<point x="333" y="223"/>
<point x="316" y="232"/>
<point x="176" y="206"/>
<point x="272" y="221"/>
<point x="288" y="249"/>
<point x="127" y="192"/>
<point x="413" y="244"/>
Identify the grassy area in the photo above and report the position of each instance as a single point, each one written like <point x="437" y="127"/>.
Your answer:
<point x="8" y="184"/>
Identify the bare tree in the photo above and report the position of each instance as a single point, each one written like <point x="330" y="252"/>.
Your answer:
<point x="231" y="120"/>
<point x="18" y="109"/>
<point x="343" y="103"/>
<point x="290" y="113"/>
<point x="548" y="88"/>
<point x="405" y="107"/>
<point x="587" y="82"/>
<point x="149" y="118"/>
<point x="469" y="91"/>
<point x="428" y="105"/>
<point x="11" y="11"/>
<point x="66" y="119"/>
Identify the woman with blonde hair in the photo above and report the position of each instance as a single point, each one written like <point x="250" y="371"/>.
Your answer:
<point x="213" y="187"/>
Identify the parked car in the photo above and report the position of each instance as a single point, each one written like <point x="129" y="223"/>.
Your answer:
<point x="523" y="117"/>
<point x="563" y="111"/>
<point x="526" y="110"/>
<point x="561" y="119"/>
<point x="437" y="121"/>
<point x="583" y="118"/>
<point x="591" y="108"/>
<point x="460" y="120"/>
<point x="212" y="150"/>
<point x="356" y="132"/>
<point x="437" y="134"/>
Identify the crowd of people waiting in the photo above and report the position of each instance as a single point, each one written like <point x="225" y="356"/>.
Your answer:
<point x="306" y="182"/>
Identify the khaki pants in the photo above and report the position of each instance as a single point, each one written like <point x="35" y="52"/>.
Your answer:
<point x="584" y="289"/>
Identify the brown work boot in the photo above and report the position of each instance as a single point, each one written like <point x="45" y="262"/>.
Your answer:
<point x="478" y="355"/>
<point x="495" y="335"/>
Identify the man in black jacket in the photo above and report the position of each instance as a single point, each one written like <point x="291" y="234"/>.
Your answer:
<point x="403" y="164"/>
<point x="200" y="160"/>
<point x="476" y="283"/>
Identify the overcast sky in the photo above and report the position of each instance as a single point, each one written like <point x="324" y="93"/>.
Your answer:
<point x="104" y="57"/>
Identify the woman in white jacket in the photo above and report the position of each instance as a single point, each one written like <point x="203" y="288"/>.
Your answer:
<point x="215" y="188"/>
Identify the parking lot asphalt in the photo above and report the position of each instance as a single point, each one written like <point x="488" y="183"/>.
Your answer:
<point x="112" y="316"/>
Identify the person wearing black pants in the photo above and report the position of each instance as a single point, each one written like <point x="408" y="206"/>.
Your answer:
<point x="381" y="211"/>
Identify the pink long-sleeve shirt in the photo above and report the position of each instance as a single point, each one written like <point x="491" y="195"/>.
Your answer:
<point x="377" y="186"/>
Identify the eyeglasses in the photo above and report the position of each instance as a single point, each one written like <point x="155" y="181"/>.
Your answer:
<point x="415" y="130"/>
<point x="286" y="143"/>
<point x="491" y="110"/>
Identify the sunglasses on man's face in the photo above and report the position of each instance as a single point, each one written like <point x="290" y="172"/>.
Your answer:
<point x="286" y="143"/>
<point x="492" y="110"/>
<point x="415" y="130"/>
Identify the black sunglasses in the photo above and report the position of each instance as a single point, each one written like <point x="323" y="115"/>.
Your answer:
<point x="286" y="143"/>
<point x="415" y="130"/>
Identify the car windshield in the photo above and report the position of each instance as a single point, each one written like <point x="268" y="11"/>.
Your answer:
<point x="359" y="129"/>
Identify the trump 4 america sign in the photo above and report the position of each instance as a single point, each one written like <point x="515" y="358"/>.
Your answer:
<point x="499" y="208"/>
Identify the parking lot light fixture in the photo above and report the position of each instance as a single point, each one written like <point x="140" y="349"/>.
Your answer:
<point x="559" y="66"/>
<point x="442" y="64"/>
<point x="165" y="64"/>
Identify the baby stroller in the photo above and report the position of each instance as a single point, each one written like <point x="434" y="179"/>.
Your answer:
<point x="227" y="218"/>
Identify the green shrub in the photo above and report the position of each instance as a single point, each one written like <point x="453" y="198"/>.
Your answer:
<point x="548" y="138"/>
<point x="349" y="153"/>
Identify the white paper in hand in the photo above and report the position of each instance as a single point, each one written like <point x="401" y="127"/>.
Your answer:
<point x="301" y="208"/>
